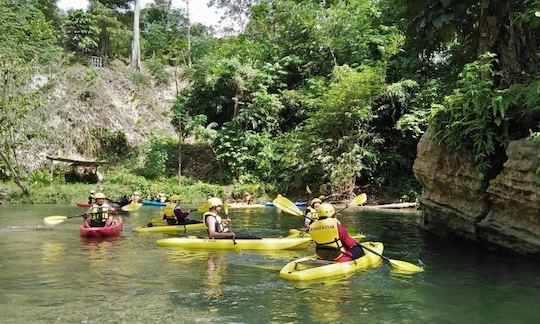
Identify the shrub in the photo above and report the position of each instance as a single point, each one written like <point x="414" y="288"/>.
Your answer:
<point x="157" y="70"/>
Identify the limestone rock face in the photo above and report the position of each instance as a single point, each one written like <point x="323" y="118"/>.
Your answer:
<point x="454" y="196"/>
<point x="504" y="212"/>
<point x="514" y="217"/>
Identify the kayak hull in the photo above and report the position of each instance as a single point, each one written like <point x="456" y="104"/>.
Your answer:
<point x="103" y="231"/>
<point x="303" y="269"/>
<point x="228" y="244"/>
<point x="153" y="203"/>
<point x="84" y="205"/>
<point x="170" y="228"/>
<point x="298" y="233"/>
<point x="132" y="207"/>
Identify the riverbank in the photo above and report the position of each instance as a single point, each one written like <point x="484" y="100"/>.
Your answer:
<point x="117" y="182"/>
<point x="47" y="189"/>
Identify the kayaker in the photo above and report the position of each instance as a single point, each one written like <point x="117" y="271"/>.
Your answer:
<point x="311" y="212"/>
<point x="160" y="197"/>
<point x="173" y="214"/>
<point x="333" y="243"/>
<point x="135" y="197"/>
<point x="91" y="198"/>
<point x="217" y="227"/>
<point x="100" y="214"/>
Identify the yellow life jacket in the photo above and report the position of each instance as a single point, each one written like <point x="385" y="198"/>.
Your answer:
<point x="220" y="226"/>
<point x="168" y="211"/>
<point x="326" y="236"/>
<point x="99" y="214"/>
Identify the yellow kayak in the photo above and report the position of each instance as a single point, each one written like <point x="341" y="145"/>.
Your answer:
<point x="298" y="233"/>
<point x="170" y="228"/>
<point x="312" y="267"/>
<point x="131" y="207"/>
<point x="244" y="244"/>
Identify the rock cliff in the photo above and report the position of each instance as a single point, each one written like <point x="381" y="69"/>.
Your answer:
<point x="504" y="212"/>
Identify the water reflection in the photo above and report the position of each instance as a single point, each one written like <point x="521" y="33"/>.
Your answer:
<point x="216" y="266"/>
<point x="52" y="253"/>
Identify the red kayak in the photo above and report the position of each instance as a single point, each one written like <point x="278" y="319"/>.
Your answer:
<point x="84" y="205"/>
<point x="103" y="231"/>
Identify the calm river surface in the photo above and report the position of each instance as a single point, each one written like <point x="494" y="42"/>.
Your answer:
<point x="53" y="275"/>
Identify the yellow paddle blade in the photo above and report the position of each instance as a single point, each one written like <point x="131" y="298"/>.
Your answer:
<point x="226" y="208"/>
<point x="131" y="207"/>
<point x="405" y="267"/>
<point x="236" y="248"/>
<point x="287" y="206"/>
<point x="358" y="200"/>
<point x="203" y="208"/>
<point x="308" y="190"/>
<point x="53" y="220"/>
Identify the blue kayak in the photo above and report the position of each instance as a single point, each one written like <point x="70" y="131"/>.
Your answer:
<point x="153" y="203"/>
<point x="298" y="203"/>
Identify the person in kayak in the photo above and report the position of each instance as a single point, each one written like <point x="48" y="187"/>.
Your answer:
<point x="125" y="200"/>
<point x="173" y="214"/>
<point x="100" y="214"/>
<point x="217" y="227"/>
<point x="160" y="197"/>
<point x="311" y="212"/>
<point x="92" y="197"/>
<point x="135" y="198"/>
<point x="333" y="243"/>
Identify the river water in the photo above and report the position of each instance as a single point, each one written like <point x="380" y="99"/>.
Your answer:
<point x="50" y="275"/>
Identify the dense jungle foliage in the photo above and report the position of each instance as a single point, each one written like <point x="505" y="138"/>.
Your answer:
<point x="333" y="94"/>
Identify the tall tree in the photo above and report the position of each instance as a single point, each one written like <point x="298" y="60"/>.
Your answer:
<point x="135" y="45"/>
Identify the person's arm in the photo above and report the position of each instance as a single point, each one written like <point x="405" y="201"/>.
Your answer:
<point x="211" y="225"/>
<point x="345" y="237"/>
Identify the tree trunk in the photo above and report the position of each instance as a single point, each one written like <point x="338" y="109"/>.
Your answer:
<point x="180" y="141"/>
<point x="135" y="45"/>
<point x="501" y="33"/>
<point x="16" y="178"/>
<point x="189" y="34"/>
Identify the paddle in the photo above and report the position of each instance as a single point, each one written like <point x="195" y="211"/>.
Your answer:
<point x="235" y="245"/>
<point x="402" y="266"/>
<point x="308" y="190"/>
<point x="57" y="219"/>
<point x="289" y="207"/>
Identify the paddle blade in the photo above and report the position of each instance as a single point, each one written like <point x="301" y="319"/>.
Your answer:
<point x="358" y="200"/>
<point x="287" y="206"/>
<point x="131" y="207"/>
<point x="308" y="189"/>
<point x="54" y="220"/>
<point x="226" y="208"/>
<point x="203" y="208"/>
<point x="405" y="267"/>
<point x="236" y="248"/>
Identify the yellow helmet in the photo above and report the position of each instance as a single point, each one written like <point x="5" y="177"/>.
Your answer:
<point x="136" y="193"/>
<point x="315" y="200"/>
<point x="92" y="191"/>
<point x="325" y="210"/>
<point x="214" y="201"/>
<point x="174" y="198"/>
<point x="100" y="195"/>
<point x="322" y="197"/>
